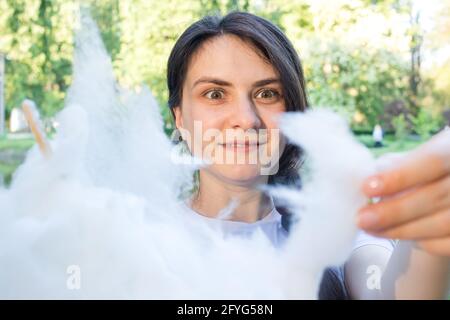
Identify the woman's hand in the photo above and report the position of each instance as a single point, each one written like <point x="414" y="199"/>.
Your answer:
<point x="415" y="198"/>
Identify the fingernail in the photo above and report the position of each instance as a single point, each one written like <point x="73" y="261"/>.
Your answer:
<point x="367" y="219"/>
<point x="375" y="184"/>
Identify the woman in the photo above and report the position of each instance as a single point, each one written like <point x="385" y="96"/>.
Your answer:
<point x="238" y="74"/>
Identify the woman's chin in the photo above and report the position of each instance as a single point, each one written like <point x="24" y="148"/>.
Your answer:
<point x="238" y="173"/>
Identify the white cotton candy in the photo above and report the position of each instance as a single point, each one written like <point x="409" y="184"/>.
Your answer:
<point x="101" y="217"/>
<point x="327" y="205"/>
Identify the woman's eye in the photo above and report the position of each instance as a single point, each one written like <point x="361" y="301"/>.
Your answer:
<point x="214" y="95"/>
<point x="267" y="94"/>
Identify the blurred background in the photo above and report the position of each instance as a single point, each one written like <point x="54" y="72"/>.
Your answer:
<point x="384" y="65"/>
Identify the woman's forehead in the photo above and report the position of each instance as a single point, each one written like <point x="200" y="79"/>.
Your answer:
<point x="229" y="58"/>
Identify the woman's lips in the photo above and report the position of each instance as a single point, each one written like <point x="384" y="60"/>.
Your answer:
<point x="242" y="146"/>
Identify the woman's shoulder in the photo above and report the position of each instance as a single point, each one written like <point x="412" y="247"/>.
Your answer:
<point x="334" y="285"/>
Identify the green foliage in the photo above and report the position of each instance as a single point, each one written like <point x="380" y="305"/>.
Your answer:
<point x="401" y="127"/>
<point x="106" y="15"/>
<point x="37" y="41"/>
<point x="353" y="79"/>
<point x="425" y="124"/>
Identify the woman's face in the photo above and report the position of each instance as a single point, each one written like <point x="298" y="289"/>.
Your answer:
<point x="230" y="103"/>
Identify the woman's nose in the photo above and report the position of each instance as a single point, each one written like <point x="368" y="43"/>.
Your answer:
<point x="244" y="115"/>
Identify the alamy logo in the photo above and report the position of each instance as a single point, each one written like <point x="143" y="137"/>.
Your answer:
<point x="74" y="277"/>
<point x="374" y="280"/>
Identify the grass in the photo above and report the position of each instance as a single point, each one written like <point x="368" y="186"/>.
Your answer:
<point x="390" y="144"/>
<point x="21" y="144"/>
<point x="16" y="144"/>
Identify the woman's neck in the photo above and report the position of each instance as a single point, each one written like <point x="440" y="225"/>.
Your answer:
<point x="214" y="195"/>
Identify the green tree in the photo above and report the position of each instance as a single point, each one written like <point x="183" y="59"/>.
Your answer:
<point x="38" y="55"/>
<point x="353" y="78"/>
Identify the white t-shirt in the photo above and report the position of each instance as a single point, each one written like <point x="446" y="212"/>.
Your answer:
<point x="270" y="225"/>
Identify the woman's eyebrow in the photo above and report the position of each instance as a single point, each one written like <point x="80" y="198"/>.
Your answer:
<point x="264" y="82"/>
<point x="219" y="82"/>
<point x="224" y="83"/>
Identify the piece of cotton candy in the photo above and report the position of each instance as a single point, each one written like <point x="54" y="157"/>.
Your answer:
<point x="327" y="205"/>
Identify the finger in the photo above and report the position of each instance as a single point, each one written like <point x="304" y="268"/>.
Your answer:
<point x="429" y="162"/>
<point x="429" y="227"/>
<point x="439" y="246"/>
<point x="406" y="207"/>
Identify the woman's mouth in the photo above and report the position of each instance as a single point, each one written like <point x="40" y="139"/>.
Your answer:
<point x="242" y="146"/>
